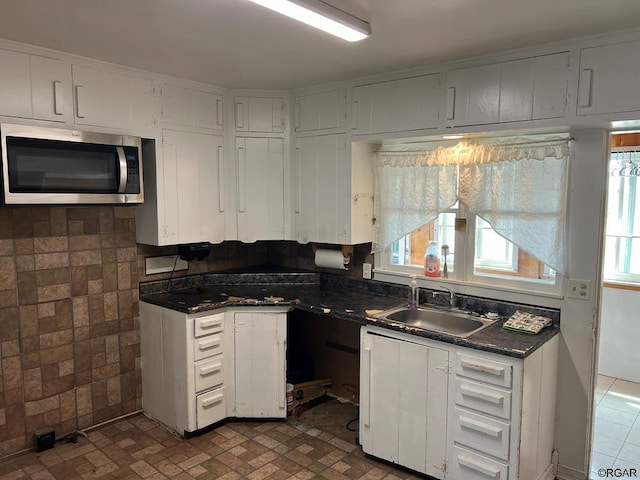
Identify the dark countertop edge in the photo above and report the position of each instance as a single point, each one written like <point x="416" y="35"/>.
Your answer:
<point x="547" y="333"/>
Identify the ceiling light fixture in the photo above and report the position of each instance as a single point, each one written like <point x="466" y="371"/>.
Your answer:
<point x="322" y="16"/>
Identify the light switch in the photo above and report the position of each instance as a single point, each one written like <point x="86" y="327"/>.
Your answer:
<point x="579" y="289"/>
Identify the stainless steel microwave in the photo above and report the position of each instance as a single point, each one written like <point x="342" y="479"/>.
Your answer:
<point x="55" y="166"/>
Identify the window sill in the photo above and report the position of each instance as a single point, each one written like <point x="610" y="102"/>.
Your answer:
<point x="622" y="285"/>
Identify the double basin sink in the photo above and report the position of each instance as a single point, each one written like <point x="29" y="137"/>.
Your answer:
<point x="450" y="321"/>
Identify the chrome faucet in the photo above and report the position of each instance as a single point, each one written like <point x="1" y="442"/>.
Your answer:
<point x="449" y="292"/>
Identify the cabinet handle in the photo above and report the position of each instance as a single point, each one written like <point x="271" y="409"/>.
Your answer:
<point x="242" y="200"/>
<point x="209" y="322"/>
<point x="354" y="115"/>
<point x="204" y="371"/>
<point x="483" y="428"/>
<point x="219" y="117"/>
<point x="365" y="412"/>
<point x="221" y="179"/>
<point x="297" y="197"/>
<point x="481" y="468"/>
<point x="58" y="98"/>
<point x="585" y="85"/>
<point x="450" y="108"/>
<point x="207" y="344"/>
<point x="239" y="115"/>
<point x="213" y="400"/>
<point x="296" y="115"/>
<point x="482" y="367"/>
<point x="79" y="94"/>
<point x="482" y="395"/>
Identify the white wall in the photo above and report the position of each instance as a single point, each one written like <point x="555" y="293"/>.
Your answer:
<point x="618" y="354"/>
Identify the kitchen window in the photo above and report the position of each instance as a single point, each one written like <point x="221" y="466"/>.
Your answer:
<point x="622" y="244"/>
<point x="497" y="210"/>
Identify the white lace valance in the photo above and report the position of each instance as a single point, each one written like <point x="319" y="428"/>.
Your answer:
<point x="518" y="185"/>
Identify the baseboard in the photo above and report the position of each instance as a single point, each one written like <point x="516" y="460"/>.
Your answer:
<point x="568" y="473"/>
<point x="547" y="474"/>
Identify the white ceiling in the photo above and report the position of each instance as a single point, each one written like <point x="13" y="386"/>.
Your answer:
<point x="235" y="43"/>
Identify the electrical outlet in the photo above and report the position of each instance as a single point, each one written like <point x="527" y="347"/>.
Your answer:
<point x="366" y="271"/>
<point x="579" y="289"/>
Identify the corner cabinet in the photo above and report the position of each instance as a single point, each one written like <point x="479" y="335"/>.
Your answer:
<point x="333" y="191"/>
<point x="457" y="413"/>
<point x="520" y="90"/>
<point x="199" y="369"/>
<point x="313" y="112"/>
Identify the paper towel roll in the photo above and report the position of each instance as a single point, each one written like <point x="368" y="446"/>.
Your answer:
<point x="331" y="259"/>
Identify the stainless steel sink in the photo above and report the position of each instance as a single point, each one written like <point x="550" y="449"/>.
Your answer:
<point x="451" y="322"/>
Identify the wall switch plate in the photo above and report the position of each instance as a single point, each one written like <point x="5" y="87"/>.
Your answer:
<point x="579" y="289"/>
<point x="366" y="271"/>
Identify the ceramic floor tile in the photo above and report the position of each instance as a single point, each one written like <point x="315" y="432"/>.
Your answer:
<point x="629" y="453"/>
<point x="599" y="460"/>
<point x="604" y="383"/>
<point x="611" y="430"/>
<point x="622" y="402"/>
<point x="624" y="387"/>
<point x="607" y="446"/>
<point x="634" y="434"/>
<point x="626" y="465"/>
<point x="612" y="415"/>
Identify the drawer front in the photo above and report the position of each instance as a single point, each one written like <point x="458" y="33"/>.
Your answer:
<point x="210" y="407"/>
<point x="208" y="324"/>
<point x="466" y="465"/>
<point x="209" y="373"/>
<point x="481" y="433"/>
<point x="489" y="371"/>
<point x="207" y="346"/>
<point x="483" y="398"/>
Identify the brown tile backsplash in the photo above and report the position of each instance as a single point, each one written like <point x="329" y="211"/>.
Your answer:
<point x="69" y="348"/>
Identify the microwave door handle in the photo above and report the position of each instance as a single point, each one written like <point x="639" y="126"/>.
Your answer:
<point x="123" y="170"/>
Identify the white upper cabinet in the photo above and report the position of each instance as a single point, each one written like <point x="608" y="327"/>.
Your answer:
<point x="333" y="194"/>
<point x="609" y="79"/>
<point x="259" y="115"/>
<point x="398" y="105"/>
<point x="34" y="87"/>
<point x="519" y="90"/>
<point x="188" y="107"/>
<point x="192" y="189"/>
<point x="116" y="100"/>
<point x="260" y="193"/>
<point x="320" y="111"/>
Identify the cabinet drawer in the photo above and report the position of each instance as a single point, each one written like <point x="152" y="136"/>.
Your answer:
<point x="471" y="466"/>
<point x="489" y="371"/>
<point x="209" y="324"/>
<point x="483" y="398"/>
<point x="210" y="407"/>
<point x="209" y="373"/>
<point x="481" y="433"/>
<point x="207" y="346"/>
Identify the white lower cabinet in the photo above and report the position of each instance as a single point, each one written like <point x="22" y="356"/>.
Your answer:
<point x="457" y="413"/>
<point x="198" y="369"/>
<point x="260" y="368"/>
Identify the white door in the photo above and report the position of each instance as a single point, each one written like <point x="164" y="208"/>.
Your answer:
<point x="51" y="89"/>
<point x="193" y="192"/>
<point x="260" y="346"/>
<point x="404" y="406"/>
<point x="320" y="111"/>
<point x="323" y="188"/>
<point x="15" y="78"/>
<point x="260" y="114"/>
<point x="260" y="163"/>
<point x="189" y="107"/>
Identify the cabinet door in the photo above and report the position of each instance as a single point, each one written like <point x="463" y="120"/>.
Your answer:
<point x="404" y="403"/>
<point x="260" y="163"/>
<point x="259" y="114"/>
<point x="473" y="96"/>
<point x="260" y="344"/>
<point x="609" y="79"/>
<point x="322" y="192"/>
<point x="115" y="100"/>
<point x="320" y="111"/>
<point x="15" y="79"/>
<point x="399" y="105"/>
<point x="186" y="107"/>
<point x="193" y="166"/>
<point x="51" y="89"/>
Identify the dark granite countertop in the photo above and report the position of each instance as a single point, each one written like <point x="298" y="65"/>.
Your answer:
<point x="340" y="297"/>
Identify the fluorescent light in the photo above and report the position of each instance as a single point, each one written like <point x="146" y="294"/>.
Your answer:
<point x="452" y="137"/>
<point x="322" y="16"/>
